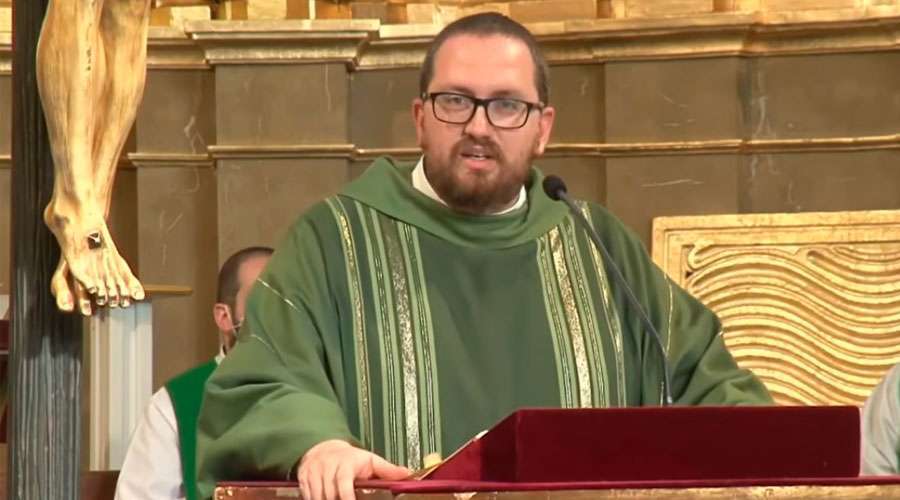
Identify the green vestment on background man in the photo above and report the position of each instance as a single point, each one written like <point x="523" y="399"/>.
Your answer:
<point x="386" y="319"/>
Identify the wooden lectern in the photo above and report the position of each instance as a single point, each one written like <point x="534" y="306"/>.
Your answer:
<point x="674" y="452"/>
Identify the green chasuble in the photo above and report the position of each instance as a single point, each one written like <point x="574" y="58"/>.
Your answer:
<point x="186" y="393"/>
<point x="386" y="319"/>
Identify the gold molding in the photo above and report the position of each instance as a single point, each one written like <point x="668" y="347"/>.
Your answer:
<point x="716" y="35"/>
<point x="859" y="143"/>
<point x="372" y="153"/>
<point x="397" y="46"/>
<point x="606" y="150"/>
<point x="166" y="291"/>
<point x="753" y="146"/>
<point x="171" y="48"/>
<point x="392" y="54"/>
<point x="280" y="42"/>
<point x="230" y="152"/>
<point x="408" y="31"/>
<point x="6" y="54"/>
<point x="697" y="36"/>
<point x="368" y="45"/>
<point x="151" y="160"/>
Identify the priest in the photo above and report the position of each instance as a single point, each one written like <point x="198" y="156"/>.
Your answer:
<point x="425" y="302"/>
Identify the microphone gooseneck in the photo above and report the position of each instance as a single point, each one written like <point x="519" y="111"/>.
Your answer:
<point x="555" y="188"/>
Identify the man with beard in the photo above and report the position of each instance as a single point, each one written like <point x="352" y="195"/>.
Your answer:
<point x="426" y="302"/>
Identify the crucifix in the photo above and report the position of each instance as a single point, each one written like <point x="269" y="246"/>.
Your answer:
<point x="79" y="68"/>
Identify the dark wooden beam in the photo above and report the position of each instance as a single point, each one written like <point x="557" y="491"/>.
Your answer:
<point x="45" y="355"/>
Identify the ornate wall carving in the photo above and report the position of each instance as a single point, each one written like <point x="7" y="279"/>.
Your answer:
<point x="810" y="302"/>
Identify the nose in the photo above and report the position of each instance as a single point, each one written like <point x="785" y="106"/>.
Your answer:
<point x="478" y="126"/>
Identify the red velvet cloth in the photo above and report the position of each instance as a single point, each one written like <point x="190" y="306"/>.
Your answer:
<point x="675" y="447"/>
<point x="662" y="444"/>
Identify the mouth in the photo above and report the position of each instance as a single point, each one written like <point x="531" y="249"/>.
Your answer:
<point x="478" y="163"/>
<point x="477" y="157"/>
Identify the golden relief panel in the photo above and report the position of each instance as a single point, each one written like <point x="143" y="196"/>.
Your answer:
<point x="809" y="302"/>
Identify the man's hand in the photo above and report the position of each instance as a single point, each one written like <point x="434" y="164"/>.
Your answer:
<point x="329" y="468"/>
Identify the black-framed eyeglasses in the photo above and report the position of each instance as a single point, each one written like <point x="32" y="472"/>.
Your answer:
<point x="502" y="112"/>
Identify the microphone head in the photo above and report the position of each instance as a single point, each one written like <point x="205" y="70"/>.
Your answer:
<point x="554" y="186"/>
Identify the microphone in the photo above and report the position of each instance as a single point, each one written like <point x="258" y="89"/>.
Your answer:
<point x="556" y="190"/>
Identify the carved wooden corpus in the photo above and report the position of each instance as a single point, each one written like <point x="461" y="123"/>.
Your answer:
<point x="91" y="67"/>
<point x="809" y="302"/>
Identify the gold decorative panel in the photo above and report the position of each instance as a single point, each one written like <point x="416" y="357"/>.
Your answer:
<point x="5" y="18"/>
<point x="810" y="302"/>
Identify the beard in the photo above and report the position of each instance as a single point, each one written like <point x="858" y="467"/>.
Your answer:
<point x="472" y="191"/>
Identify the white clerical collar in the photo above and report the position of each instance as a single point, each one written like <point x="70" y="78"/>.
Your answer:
<point x="420" y="182"/>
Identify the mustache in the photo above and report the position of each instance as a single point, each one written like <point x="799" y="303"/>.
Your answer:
<point x="489" y="147"/>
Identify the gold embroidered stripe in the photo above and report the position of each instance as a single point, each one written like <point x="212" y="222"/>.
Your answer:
<point x="611" y="312"/>
<point x="360" y="353"/>
<point x="593" y="337"/>
<point x="404" y="330"/>
<point x="576" y="335"/>
<point x="562" y="354"/>
<point x="394" y="439"/>
<point x="429" y="400"/>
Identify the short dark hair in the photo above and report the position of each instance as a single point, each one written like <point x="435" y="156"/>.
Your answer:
<point x="229" y="282"/>
<point x="486" y="24"/>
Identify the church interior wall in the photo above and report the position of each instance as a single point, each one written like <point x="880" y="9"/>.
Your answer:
<point x="178" y="236"/>
<point x="640" y="188"/>
<point x="382" y="108"/>
<point x="227" y="155"/>
<point x="176" y="211"/>
<point x="820" y="181"/>
<point x="259" y="199"/>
